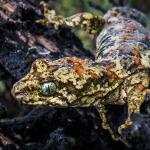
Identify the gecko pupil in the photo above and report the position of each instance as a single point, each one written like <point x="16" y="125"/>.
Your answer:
<point x="48" y="88"/>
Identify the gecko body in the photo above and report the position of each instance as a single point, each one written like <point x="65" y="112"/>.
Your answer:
<point x="118" y="75"/>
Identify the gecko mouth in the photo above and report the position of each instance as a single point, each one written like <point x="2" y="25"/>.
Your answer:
<point x="26" y="98"/>
<point x="20" y="96"/>
<point x="14" y="91"/>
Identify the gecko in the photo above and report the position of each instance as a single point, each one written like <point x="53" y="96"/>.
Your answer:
<point x="118" y="75"/>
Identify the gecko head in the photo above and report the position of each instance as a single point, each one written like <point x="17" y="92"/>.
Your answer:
<point x="57" y="83"/>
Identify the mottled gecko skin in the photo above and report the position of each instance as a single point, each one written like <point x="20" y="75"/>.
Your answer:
<point x="79" y="83"/>
<point x="119" y="74"/>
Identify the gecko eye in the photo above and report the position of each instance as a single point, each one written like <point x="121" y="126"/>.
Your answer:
<point x="48" y="88"/>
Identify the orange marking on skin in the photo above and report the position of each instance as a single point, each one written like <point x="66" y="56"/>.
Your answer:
<point x="119" y="47"/>
<point x="141" y="87"/>
<point x="76" y="60"/>
<point x="109" y="72"/>
<point x="77" y="65"/>
<point x="79" y="70"/>
<point x="128" y="27"/>
<point x="93" y="75"/>
<point x="137" y="57"/>
<point x="131" y="26"/>
<point x="128" y="37"/>
<point x="8" y="7"/>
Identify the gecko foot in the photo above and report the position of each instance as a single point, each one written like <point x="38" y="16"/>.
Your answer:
<point x="127" y="123"/>
<point x="105" y="124"/>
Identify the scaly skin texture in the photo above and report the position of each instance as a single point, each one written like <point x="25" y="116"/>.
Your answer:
<point x="79" y="83"/>
<point x="118" y="76"/>
<point x="87" y="21"/>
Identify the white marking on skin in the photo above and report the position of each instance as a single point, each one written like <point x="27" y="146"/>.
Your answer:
<point x="87" y="100"/>
<point x="123" y="94"/>
<point x="70" y="23"/>
<point x="38" y="102"/>
<point x="144" y="82"/>
<point x="90" y="100"/>
<point x="61" y="91"/>
<point x="65" y="93"/>
<point x="58" y="101"/>
<point x="64" y="75"/>
<point x="83" y="99"/>
<point x="88" y="16"/>
<point x="129" y="89"/>
<point x="79" y="86"/>
<point x="106" y="84"/>
<point x="76" y="19"/>
<point x="118" y="27"/>
<point x="119" y="70"/>
<point x="71" y="98"/>
<point x="20" y="97"/>
<point x="96" y="103"/>
<point x="145" y="58"/>
<point x="128" y="72"/>
<point x="85" y="22"/>
<point x="98" y="86"/>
